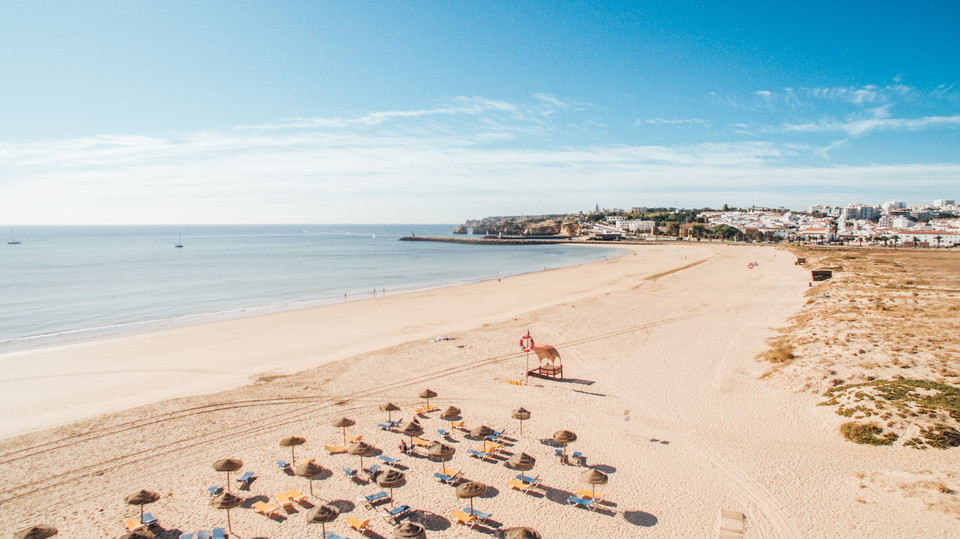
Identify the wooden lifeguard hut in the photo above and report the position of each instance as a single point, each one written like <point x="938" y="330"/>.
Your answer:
<point x="549" y="362"/>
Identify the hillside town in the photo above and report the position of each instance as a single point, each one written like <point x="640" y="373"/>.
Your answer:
<point x="890" y="224"/>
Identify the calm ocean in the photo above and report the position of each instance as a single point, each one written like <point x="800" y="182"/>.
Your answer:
<point x="64" y="284"/>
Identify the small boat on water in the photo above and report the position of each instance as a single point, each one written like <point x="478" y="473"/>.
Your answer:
<point x="179" y="244"/>
<point x="13" y="240"/>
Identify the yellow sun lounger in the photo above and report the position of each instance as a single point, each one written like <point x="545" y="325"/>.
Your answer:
<point x="296" y="496"/>
<point x="420" y="442"/>
<point x="133" y="524"/>
<point x="334" y="449"/>
<point x="521" y="486"/>
<point x="357" y="524"/>
<point x="463" y="518"/>
<point x="265" y="509"/>
<point x="355" y="439"/>
<point x="284" y="501"/>
<point x="588" y="495"/>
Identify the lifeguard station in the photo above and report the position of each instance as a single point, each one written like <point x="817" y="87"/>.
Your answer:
<point x="548" y="359"/>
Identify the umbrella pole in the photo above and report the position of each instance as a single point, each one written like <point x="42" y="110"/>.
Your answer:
<point x="293" y="458"/>
<point x="311" y="486"/>
<point x="229" y="525"/>
<point x="526" y="372"/>
<point x="141" y="513"/>
<point x="344" y="435"/>
<point x="391" y="496"/>
<point x="228" y="480"/>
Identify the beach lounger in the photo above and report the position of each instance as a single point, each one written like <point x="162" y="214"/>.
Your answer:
<point x="349" y="472"/>
<point x="204" y="534"/>
<point x="285" y="501"/>
<point x="580" y="502"/>
<point x="394" y="515"/>
<point x="296" y="496"/>
<point x="458" y="425"/>
<point x="214" y="490"/>
<point x="520" y="485"/>
<point x="372" y="470"/>
<point x="331" y="535"/>
<point x="385" y="426"/>
<point x="558" y="452"/>
<point x="420" y="442"/>
<point x="477" y="454"/>
<point x="282" y="464"/>
<point x="186" y="536"/>
<point x="370" y="500"/>
<point x="355" y="439"/>
<point x="481" y="516"/>
<point x="148" y="519"/>
<point x="359" y="525"/>
<point x="133" y="524"/>
<point x="217" y="533"/>
<point x="443" y="433"/>
<point x="588" y="495"/>
<point x="581" y="460"/>
<point x="266" y="509"/>
<point x="334" y="449"/>
<point x="492" y="447"/>
<point x="245" y="479"/>
<point x="464" y="518"/>
<point x="388" y="461"/>
<point x="448" y="479"/>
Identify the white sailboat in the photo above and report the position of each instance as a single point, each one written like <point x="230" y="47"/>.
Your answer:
<point x="179" y="244"/>
<point x="13" y="240"/>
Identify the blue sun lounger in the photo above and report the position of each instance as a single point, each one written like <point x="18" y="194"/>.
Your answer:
<point x="580" y="502"/>
<point x="388" y="461"/>
<point x="481" y="516"/>
<point x="217" y="533"/>
<point x="331" y="535"/>
<point x="370" y="500"/>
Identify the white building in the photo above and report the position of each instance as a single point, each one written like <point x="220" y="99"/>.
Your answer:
<point x="893" y="205"/>
<point x="943" y="202"/>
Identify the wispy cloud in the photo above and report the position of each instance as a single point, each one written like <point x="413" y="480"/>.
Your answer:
<point x="879" y="119"/>
<point x="680" y="121"/>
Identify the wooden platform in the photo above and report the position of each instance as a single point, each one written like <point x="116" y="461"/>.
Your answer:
<point x="548" y="371"/>
<point x="731" y="524"/>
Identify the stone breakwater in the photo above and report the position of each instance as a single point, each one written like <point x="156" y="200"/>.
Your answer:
<point x="492" y="241"/>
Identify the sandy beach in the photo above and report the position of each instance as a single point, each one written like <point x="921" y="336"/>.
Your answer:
<point x="661" y="386"/>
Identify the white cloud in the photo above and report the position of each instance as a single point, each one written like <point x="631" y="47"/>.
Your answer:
<point x="664" y="121"/>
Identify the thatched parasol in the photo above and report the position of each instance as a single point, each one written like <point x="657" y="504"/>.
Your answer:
<point x="390" y="479"/>
<point x="481" y="432"/>
<point x="522" y="461"/>
<point x="227" y="501"/>
<point x="412" y="429"/>
<point x="138" y="534"/>
<point x="308" y="469"/>
<point x="141" y="498"/>
<point x="522" y="532"/>
<point x="389" y="408"/>
<point x="441" y="451"/>
<point x="522" y="414"/>
<point x="451" y="414"/>
<point x="470" y="489"/>
<point x="362" y="449"/>
<point x="36" y="532"/>
<point x="409" y="530"/>
<point x="323" y="514"/>
<point x="564" y="437"/>
<point x="594" y="477"/>
<point x="228" y="465"/>
<point x="428" y="394"/>
<point x="292" y="442"/>
<point x="343" y="423"/>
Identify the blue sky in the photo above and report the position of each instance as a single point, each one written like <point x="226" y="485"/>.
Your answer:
<point x="259" y="112"/>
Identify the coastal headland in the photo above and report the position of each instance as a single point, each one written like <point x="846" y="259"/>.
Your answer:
<point x="661" y="385"/>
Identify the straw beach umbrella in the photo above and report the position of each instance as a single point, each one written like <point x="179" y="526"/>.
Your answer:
<point x="412" y="429"/>
<point x="409" y="530"/>
<point x="228" y="465"/>
<point x="441" y="451"/>
<point x="564" y="437"/>
<point x="391" y="479"/>
<point x="362" y="449"/>
<point x="522" y="414"/>
<point x="522" y="462"/>
<point x="323" y="514"/>
<point x="389" y="408"/>
<point x="308" y="469"/>
<point x="481" y="432"/>
<point x="451" y="414"/>
<point x="428" y="394"/>
<point x="227" y="501"/>
<point x="522" y="532"/>
<point x="292" y="442"/>
<point x="36" y="532"/>
<point x="141" y="498"/>
<point x="470" y="490"/>
<point x="343" y="423"/>
<point x="594" y="477"/>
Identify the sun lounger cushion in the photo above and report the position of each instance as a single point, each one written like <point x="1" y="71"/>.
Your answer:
<point x="264" y="508"/>
<point x="387" y="460"/>
<point x="203" y="534"/>
<point x="148" y="519"/>
<point x="133" y="523"/>
<point x="217" y="533"/>
<point x="464" y="518"/>
<point x="245" y="478"/>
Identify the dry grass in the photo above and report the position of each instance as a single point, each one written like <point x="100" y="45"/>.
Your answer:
<point x="886" y="315"/>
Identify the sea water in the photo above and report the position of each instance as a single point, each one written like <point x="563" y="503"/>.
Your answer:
<point x="65" y="284"/>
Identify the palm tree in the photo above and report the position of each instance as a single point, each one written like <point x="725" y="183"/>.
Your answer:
<point x="896" y="237"/>
<point x="938" y="238"/>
